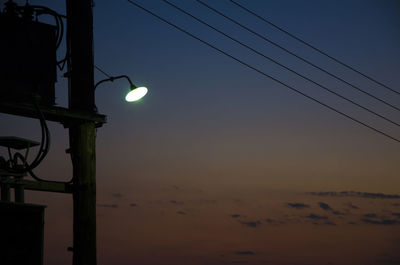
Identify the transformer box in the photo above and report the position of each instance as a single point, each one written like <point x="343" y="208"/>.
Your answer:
<point x="27" y="61"/>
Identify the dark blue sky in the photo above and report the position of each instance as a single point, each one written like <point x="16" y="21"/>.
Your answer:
<point x="212" y="129"/>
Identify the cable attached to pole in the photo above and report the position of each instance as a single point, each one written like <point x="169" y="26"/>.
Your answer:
<point x="298" y="57"/>
<point x="314" y="48"/>
<point x="282" y="65"/>
<point x="263" y="73"/>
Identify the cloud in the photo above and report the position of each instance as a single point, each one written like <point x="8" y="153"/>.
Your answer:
<point x="325" y="223"/>
<point x="247" y="252"/>
<point x="396" y="214"/>
<point x="352" y="206"/>
<point x="274" y="222"/>
<point x="235" y="215"/>
<point x="108" y="205"/>
<point x="370" y="215"/>
<point x="252" y="224"/>
<point x="298" y="205"/>
<point x="180" y="189"/>
<point x="359" y="194"/>
<point x="325" y="206"/>
<point x="133" y="205"/>
<point x="316" y="217"/>
<point x="380" y="222"/>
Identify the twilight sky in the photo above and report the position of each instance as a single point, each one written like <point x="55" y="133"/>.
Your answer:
<point x="221" y="165"/>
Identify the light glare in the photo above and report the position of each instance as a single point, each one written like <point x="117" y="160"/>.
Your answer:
<point x="136" y="94"/>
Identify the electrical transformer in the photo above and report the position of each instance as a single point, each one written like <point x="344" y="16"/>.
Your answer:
<point x="27" y="61"/>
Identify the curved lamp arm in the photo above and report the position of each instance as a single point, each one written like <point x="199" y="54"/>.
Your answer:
<point x="135" y="92"/>
<point x="112" y="78"/>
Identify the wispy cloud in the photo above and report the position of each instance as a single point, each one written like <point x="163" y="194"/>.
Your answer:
<point x="235" y="215"/>
<point x="325" y="223"/>
<point x="355" y="194"/>
<point x="352" y="206"/>
<point x="370" y="215"/>
<point x="252" y="224"/>
<point x="380" y="221"/>
<point x="176" y="202"/>
<point x="297" y="205"/>
<point x="396" y="214"/>
<point x="274" y="221"/>
<point x="324" y="206"/>
<point x="316" y="217"/>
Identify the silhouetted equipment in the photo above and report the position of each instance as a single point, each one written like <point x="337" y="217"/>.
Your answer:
<point x="135" y="93"/>
<point x="11" y="168"/>
<point x="21" y="233"/>
<point x="28" y="60"/>
<point x="17" y="142"/>
<point x="21" y="224"/>
<point x="82" y="135"/>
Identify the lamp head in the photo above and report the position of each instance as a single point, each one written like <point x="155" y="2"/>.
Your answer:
<point x="136" y="93"/>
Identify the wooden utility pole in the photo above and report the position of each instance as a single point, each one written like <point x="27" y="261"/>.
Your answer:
<point x="82" y="134"/>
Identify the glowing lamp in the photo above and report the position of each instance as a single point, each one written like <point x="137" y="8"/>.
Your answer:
<point x="136" y="93"/>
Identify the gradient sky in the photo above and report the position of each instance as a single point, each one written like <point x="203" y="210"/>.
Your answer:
<point x="215" y="164"/>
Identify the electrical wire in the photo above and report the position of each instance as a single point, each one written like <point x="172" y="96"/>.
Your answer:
<point x="43" y="151"/>
<point x="281" y="65"/>
<point x="57" y="17"/>
<point x="59" y="32"/>
<point x="315" y="48"/>
<point x="263" y="73"/>
<point x="297" y="56"/>
<point x="102" y="71"/>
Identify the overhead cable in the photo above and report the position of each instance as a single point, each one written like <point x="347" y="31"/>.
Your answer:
<point x="315" y="48"/>
<point x="263" y="73"/>
<point x="281" y="65"/>
<point x="102" y="71"/>
<point x="297" y="56"/>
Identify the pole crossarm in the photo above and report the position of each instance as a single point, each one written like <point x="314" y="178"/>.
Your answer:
<point x="57" y="114"/>
<point x="50" y="186"/>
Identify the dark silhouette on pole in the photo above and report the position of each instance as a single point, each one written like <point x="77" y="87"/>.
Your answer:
<point x="82" y="134"/>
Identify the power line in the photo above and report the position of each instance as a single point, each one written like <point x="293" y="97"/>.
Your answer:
<point x="262" y="73"/>
<point x="102" y="71"/>
<point x="280" y="64"/>
<point x="297" y="56"/>
<point x="314" y="48"/>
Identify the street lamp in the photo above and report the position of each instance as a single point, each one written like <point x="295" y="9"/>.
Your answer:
<point x="135" y="92"/>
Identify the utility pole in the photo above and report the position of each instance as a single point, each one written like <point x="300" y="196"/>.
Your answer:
<point x="82" y="134"/>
